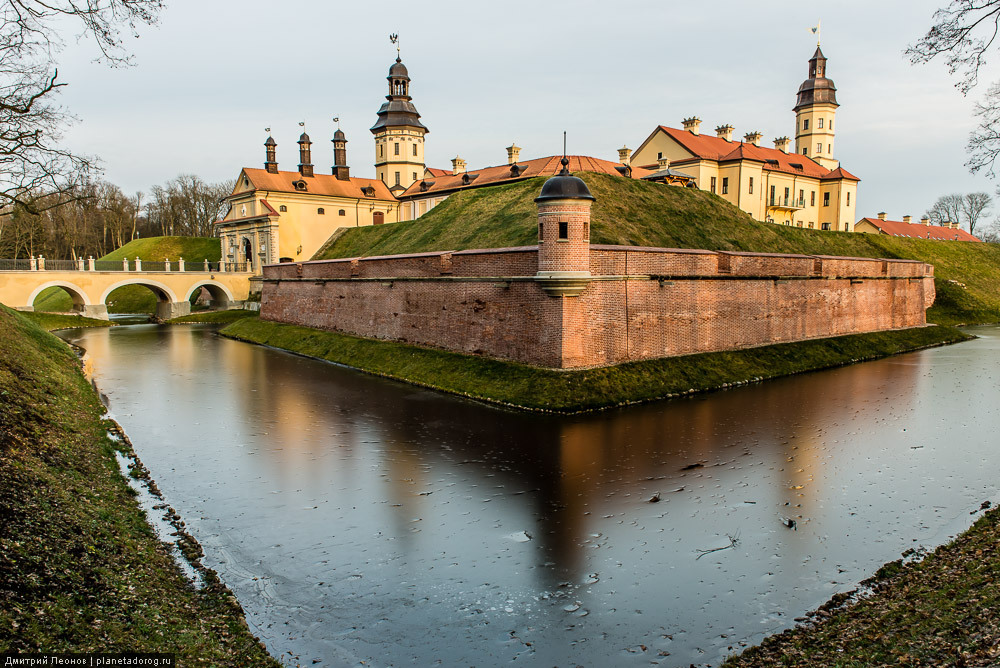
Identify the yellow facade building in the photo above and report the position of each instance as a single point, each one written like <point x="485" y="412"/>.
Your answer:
<point x="804" y="188"/>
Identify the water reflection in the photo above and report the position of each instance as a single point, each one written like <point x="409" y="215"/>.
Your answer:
<point x="360" y="519"/>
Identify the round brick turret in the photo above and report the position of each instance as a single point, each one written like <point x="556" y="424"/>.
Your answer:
<point x="564" y="234"/>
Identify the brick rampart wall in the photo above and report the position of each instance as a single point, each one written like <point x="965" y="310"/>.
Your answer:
<point x="642" y="302"/>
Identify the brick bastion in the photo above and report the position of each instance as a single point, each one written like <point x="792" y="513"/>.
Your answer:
<point x="569" y="304"/>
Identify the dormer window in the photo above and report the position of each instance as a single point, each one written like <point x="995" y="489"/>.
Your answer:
<point x="368" y="191"/>
<point x="299" y="185"/>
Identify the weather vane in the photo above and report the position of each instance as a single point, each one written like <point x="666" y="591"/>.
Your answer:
<point x="336" y="119"/>
<point x="394" y="38"/>
<point x="815" y="31"/>
<point x="267" y="130"/>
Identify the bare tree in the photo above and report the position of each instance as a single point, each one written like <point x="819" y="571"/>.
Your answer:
<point x="185" y="206"/>
<point x="975" y="206"/>
<point x="33" y="164"/>
<point x="962" y="35"/>
<point x="946" y="209"/>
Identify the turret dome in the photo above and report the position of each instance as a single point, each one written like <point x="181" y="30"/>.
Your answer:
<point x="564" y="186"/>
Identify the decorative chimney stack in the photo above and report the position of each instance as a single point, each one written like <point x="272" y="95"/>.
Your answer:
<point x="457" y="165"/>
<point x="692" y="125"/>
<point x="340" y="168"/>
<point x="305" y="155"/>
<point x="781" y="143"/>
<point x="625" y="155"/>
<point x="564" y="235"/>
<point x="753" y="138"/>
<point x="271" y="164"/>
<point x="663" y="164"/>
<point x="881" y="215"/>
<point x="725" y="132"/>
<point x="907" y="219"/>
<point x="513" y="154"/>
<point x="926" y="220"/>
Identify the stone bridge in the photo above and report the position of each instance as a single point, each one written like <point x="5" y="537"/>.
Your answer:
<point x="89" y="283"/>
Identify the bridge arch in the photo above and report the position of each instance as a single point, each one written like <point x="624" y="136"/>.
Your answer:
<point x="78" y="295"/>
<point x="162" y="292"/>
<point x="222" y="297"/>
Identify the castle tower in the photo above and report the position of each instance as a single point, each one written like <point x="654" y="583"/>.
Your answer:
<point x="271" y="162"/>
<point x="564" y="234"/>
<point x="815" y="110"/>
<point x="399" y="134"/>
<point x="340" y="168"/>
<point x="305" y="155"/>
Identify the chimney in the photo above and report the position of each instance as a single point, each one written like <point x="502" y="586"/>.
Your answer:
<point x="753" y="138"/>
<point x="663" y="163"/>
<point x="724" y="132"/>
<point x="954" y="225"/>
<point x="907" y="218"/>
<point x="625" y="155"/>
<point x="692" y="124"/>
<point x="340" y="168"/>
<point x="925" y="220"/>
<point x="513" y="154"/>
<point x="781" y="143"/>
<point x="305" y="155"/>
<point x="271" y="164"/>
<point x="458" y="165"/>
<point x="881" y="215"/>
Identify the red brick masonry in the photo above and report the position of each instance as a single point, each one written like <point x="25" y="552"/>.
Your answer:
<point x="642" y="302"/>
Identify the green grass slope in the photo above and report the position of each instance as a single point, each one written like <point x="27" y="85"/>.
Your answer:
<point x="80" y="568"/>
<point x="637" y="213"/>
<point x="135" y="298"/>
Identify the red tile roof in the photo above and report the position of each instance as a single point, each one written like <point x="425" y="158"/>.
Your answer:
<point x="549" y="166"/>
<point x="709" y="147"/>
<point x="320" y="184"/>
<point x="438" y="172"/>
<point x="896" y="228"/>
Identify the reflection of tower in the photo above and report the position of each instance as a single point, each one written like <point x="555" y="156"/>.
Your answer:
<point x="399" y="134"/>
<point x="815" y="109"/>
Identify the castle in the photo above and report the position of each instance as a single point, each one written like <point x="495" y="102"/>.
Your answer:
<point x="286" y="216"/>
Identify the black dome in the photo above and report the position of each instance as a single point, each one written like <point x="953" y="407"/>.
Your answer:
<point x="398" y="70"/>
<point x="270" y="142"/>
<point x="564" y="186"/>
<point x="304" y="138"/>
<point x="339" y="135"/>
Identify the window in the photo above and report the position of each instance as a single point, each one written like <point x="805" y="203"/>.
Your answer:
<point x="819" y="123"/>
<point x="282" y="208"/>
<point x="812" y="199"/>
<point x="540" y="232"/>
<point x="414" y="150"/>
<point x="380" y="150"/>
<point x="805" y="150"/>
<point x="826" y="226"/>
<point x="831" y="124"/>
<point x="725" y="185"/>
<point x="826" y="200"/>
<point x="713" y="184"/>
<point x="751" y="185"/>
<point x="320" y="211"/>
<point x="812" y="225"/>
<point x="563" y="230"/>
<point x="659" y="156"/>
<point x="802" y="199"/>
<point x="829" y="149"/>
<point x="396" y="145"/>
<point x="414" y="176"/>
<point x="397" y="178"/>
<point x="786" y="196"/>
<point x="805" y="124"/>
<point x="819" y="148"/>
<point x="772" y="194"/>
<point x="341" y="213"/>
<point x="848" y="199"/>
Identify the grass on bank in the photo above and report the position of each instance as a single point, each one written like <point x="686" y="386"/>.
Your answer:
<point x="135" y="298"/>
<point x="573" y="391"/>
<point x="53" y="321"/>
<point x="80" y="568"/>
<point x="637" y="213"/>
<point x="941" y="611"/>
<point x="217" y="317"/>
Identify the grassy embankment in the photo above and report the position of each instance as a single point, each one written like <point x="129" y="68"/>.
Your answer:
<point x="523" y="386"/>
<point x="637" y="213"/>
<point x="80" y="568"/>
<point x="135" y="298"/>
<point x="53" y="321"/>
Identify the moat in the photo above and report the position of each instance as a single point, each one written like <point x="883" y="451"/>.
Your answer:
<point x="362" y="520"/>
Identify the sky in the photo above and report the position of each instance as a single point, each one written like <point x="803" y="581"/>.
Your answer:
<point x="211" y="76"/>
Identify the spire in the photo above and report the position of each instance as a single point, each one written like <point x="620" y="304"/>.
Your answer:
<point x="305" y="154"/>
<point x="271" y="147"/>
<point x="398" y="110"/>
<point x="340" y="168"/>
<point x="817" y="88"/>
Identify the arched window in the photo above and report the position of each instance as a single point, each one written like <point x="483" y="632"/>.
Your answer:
<point x="341" y="213"/>
<point x="282" y="208"/>
<point x="378" y="218"/>
<point x="320" y="211"/>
